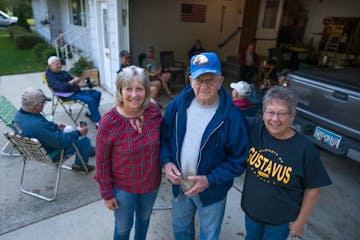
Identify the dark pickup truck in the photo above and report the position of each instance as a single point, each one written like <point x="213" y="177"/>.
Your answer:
<point x="328" y="112"/>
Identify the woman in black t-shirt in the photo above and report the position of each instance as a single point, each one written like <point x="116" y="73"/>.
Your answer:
<point x="284" y="172"/>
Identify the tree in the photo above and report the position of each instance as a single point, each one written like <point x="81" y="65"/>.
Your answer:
<point x="14" y="5"/>
<point x="22" y="19"/>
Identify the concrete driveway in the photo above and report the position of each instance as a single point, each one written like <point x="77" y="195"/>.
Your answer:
<point x="336" y="215"/>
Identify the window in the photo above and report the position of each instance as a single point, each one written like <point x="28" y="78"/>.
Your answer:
<point x="78" y="12"/>
<point x="271" y="11"/>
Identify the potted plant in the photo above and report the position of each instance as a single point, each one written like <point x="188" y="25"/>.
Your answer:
<point x="85" y="69"/>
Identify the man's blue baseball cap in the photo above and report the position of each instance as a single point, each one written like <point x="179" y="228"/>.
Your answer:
<point x="206" y="62"/>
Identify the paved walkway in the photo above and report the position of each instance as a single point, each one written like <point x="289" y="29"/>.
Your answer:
<point x="93" y="221"/>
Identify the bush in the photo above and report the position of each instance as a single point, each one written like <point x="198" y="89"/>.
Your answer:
<point x="39" y="48"/>
<point x="76" y="70"/>
<point x="15" y="30"/>
<point x="46" y="53"/>
<point x="27" y="41"/>
<point x="80" y="66"/>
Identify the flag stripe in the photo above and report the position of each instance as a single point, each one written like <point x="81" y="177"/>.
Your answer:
<point x="193" y="13"/>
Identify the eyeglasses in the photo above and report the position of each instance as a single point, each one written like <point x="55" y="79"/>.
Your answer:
<point x="280" y="115"/>
<point x="209" y="81"/>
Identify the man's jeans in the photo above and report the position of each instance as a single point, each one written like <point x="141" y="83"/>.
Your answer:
<point x="129" y="203"/>
<point x="210" y="217"/>
<point x="85" y="148"/>
<point x="262" y="231"/>
<point x="92" y="99"/>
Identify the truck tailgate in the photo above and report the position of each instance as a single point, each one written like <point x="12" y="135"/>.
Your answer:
<point x="329" y="98"/>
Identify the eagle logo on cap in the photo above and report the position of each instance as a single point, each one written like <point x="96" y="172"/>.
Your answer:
<point x="200" y="60"/>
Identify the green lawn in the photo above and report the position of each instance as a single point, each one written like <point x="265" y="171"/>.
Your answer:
<point x="16" y="61"/>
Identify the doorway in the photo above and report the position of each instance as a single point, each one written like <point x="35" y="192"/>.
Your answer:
<point x="105" y="46"/>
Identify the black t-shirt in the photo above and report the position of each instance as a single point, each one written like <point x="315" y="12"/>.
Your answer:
<point x="277" y="174"/>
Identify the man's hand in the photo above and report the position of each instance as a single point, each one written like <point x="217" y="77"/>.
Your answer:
<point x="82" y="84"/>
<point x="83" y="130"/>
<point x="111" y="204"/>
<point x="60" y="126"/>
<point x="200" y="184"/>
<point x="172" y="173"/>
<point x="74" y="81"/>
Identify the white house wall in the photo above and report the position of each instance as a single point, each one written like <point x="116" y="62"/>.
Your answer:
<point x="41" y="9"/>
<point x="114" y="41"/>
<point x="158" y="23"/>
<point x="54" y="18"/>
<point x="318" y="10"/>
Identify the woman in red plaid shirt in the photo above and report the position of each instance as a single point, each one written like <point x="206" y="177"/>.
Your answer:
<point x="127" y="154"/>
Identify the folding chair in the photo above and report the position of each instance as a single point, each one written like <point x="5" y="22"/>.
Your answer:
<point x="61" y="98"/>
<point x="168" y="63"/>
<point x="31" y="149"/>
<point x="7" y="114"/>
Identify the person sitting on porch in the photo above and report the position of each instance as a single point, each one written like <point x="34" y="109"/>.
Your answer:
<point x="62" y="81"/>
<point x="196" y="49"/>
<point x="249" y="64"/>
<point x="29" y="122"/>
<point x="156" y="72"/>
<point x="125" y="61"/>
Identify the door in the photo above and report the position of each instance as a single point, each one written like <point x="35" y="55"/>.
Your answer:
<point x="268" y="25"/>
<point x="249" y="24"/>
<point x="105" y="46"/>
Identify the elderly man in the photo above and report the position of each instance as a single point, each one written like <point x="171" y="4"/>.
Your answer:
<point x="29" y="122"/>
<point x="62" y="81"/>
<point x="204" y="144"/>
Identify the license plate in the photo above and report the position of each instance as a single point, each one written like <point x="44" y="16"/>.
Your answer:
<point x="327" y="137"/>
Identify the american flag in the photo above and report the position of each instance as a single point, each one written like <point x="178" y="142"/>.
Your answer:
<point x="193" y="13"/>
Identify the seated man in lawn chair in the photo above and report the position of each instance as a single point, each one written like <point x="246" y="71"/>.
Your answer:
<point x="29" y="122"/>
<point x="62" y="81"/>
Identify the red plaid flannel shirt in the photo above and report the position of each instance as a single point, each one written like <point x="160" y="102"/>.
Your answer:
<point x="125" y="158"/>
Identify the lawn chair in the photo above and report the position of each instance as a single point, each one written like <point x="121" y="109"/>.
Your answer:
<point x="61" y="98"/>
<point x="177" y="69"/>
<point x="7" y="114"/>
<point x="31" y="149"/>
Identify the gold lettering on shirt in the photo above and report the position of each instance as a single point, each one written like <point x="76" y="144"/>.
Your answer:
<point x="270" y="168"/>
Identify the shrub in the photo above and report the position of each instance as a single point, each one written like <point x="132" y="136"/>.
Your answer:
<point x="26" y="41"/>
<point x="15" y="30"/>
<point x="76" y="70"/>
<point x="39" y="48"/>
<point x="46" y="53"/>
<point x="80" y="66"/>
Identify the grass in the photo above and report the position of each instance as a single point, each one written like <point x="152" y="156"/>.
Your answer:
<point x="16" y="61"/>
<point x="30" y="21"/>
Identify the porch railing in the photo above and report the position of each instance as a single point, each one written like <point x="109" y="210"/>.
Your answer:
<point x="65" y="49"/>
<point x="232" y="35"/>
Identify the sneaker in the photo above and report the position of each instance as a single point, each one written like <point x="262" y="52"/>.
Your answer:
<point x="81" y="169"/>
<point x="92" y="154"/>
<point x="88" y="115"/>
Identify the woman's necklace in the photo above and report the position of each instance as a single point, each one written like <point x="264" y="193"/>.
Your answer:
<point x="136" y="120"/>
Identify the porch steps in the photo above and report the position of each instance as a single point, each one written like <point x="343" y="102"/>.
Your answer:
<point x="231" y="69"/>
